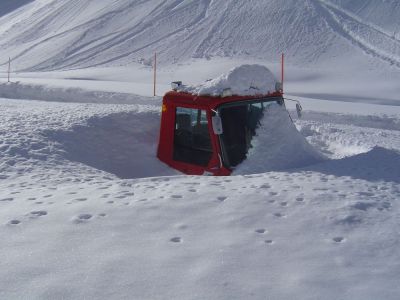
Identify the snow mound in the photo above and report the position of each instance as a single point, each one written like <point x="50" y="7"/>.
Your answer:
<point x="245" y="80"/>
<point x="278" y="145"/>
<point x="17" y="90"/>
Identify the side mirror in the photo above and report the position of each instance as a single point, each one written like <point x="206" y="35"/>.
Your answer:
<point x="299" y="109"/>
<point x="217" y="125"/>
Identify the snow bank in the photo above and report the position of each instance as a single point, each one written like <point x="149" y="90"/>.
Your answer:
<point x="278" y="145"/>
<point x="245" y="80"/>
<point x="17" y="90"/>
<point x="117" y="139"/>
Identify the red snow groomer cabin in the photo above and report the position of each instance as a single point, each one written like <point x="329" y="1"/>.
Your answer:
<point x="206" y="135"/>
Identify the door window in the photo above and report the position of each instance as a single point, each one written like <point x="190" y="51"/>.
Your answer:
<point x="240" y="122"/>
<point x="192" y="142"/>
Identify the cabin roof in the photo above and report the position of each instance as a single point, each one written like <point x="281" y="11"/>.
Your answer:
<point x="187" y="99"/>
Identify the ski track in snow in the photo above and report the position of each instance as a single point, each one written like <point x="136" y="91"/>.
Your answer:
<point x="367" y="37"/>
<point x="93" y="33"/>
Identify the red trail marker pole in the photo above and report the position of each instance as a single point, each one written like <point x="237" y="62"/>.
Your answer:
<point x="155" y="73"/>
<point x="282" y="69"/>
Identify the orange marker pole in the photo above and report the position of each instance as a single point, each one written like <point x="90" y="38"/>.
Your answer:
<point x="282" y="69"/>
<point x="155" y="72"/>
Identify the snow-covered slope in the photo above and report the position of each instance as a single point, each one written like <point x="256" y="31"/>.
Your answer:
<point x="63" y="34"/>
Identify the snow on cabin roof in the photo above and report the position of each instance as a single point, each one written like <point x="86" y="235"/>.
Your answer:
<point x="245" y="80"/>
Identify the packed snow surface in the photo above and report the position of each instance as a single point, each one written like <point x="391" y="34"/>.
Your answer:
<point x="278" y="145"/>
<point x="245" y="80"/>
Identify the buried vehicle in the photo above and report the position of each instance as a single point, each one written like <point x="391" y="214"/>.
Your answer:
<point x="208" y="130"/>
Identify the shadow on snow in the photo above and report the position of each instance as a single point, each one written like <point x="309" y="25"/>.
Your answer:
<point x="123" y="144"/>
<point x="379" y="164"/>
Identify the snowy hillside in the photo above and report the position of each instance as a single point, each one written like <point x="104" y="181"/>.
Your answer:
<point x="87" y="211"/>
<point x="65" y="34"/>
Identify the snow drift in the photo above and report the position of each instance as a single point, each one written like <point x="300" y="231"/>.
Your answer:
<point x="245" y="80"/>
<point x="278" y="145"/>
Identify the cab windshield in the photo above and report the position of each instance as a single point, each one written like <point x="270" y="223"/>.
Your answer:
<point x="239" y="122"/>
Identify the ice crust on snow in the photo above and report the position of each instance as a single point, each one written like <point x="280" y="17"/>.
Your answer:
<point x="245" y="80"/>
<point x="278" y="145"/>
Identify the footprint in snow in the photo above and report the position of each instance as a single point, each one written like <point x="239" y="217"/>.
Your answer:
<point x="222" y="198"/>
<point x="7" y="199"/>
<point x="269" y="242"/>
<point x="82" y="218"/>
<point x="37" y="213"/>
<point x="85" y="216"/>
<point x="338" y="239"/>
<point x="81" y="199"/>
<point x="176" y="239"/>
<point x="177" y="196"/>
<point x="299" y="199"/>
<point x="14" y="222"/>
<point x="261" y="230"/>
<point x="279" y="215"/>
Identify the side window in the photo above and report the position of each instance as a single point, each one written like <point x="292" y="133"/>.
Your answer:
<point x="192" y="142"/>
